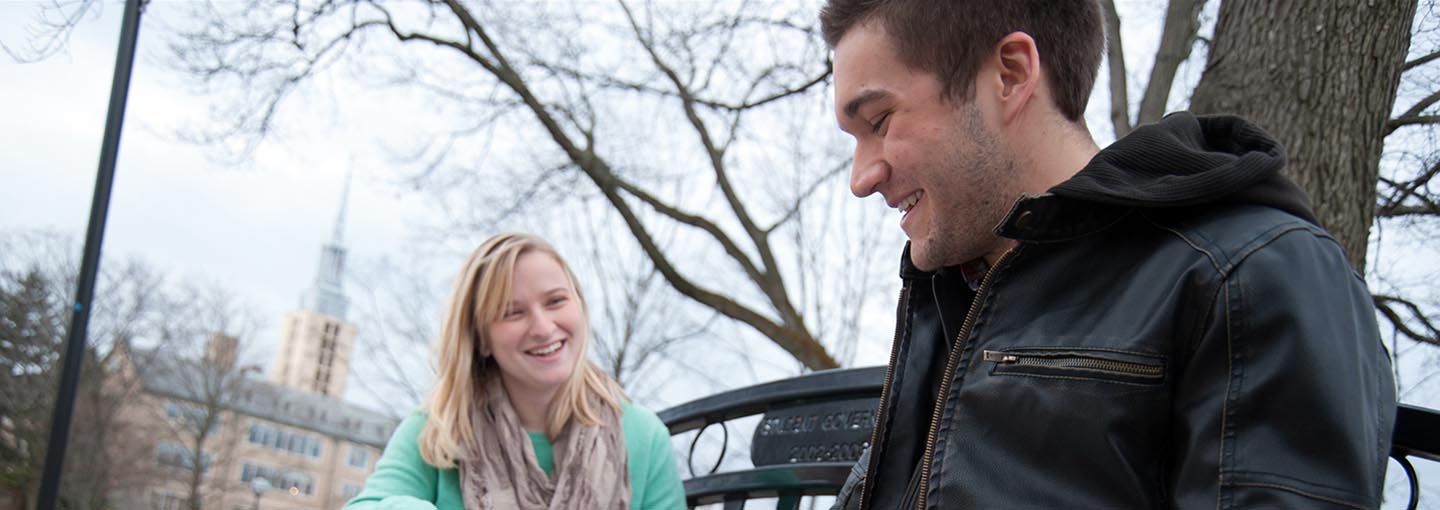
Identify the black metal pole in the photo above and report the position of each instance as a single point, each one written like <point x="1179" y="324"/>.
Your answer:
<point x="90" y="264"/>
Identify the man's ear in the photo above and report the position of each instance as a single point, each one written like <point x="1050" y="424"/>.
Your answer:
<point x="1018" y="61"/>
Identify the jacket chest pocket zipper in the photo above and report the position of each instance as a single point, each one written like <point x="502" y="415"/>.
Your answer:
<point x="1072" y="364"/>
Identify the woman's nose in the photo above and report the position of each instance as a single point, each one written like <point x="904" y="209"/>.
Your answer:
<point x="541" y="324"/>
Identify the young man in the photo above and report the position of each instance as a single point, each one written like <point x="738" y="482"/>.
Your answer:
<point x="1159" y="324"/>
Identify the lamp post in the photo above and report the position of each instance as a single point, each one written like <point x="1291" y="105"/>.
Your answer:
<point x="259" y="485"/>
<point x="90" y="262"/>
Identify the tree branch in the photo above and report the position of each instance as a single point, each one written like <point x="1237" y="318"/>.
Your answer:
<point x="53" y="35"/>
<point x="1420" y="61"/>
<point x="714" y="104"/>
<point x="1119" y="86"/>
<point x="1400" y="122"/>
<point x="1182" y="21"/>
<point x="1427" y="333"/>
<point x="773" y="284"/>
<point x="809" y="190"/>
<point x="695" y="221"/>
<point x="1428" y="209"/>
<point x="794" y="340"/>
<point x="1403" y="191"/>
<point x="1421" y="105"/>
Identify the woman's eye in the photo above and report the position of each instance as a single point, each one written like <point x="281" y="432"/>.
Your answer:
<point x="557" y="300"/>
<point x="510" y="314"/>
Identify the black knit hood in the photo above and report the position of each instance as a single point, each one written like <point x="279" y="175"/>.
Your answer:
<point x="1186" y="160"/>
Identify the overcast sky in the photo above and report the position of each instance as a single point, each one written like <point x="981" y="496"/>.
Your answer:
<point x="258" y="229"/>
<point x="255" y="230"/>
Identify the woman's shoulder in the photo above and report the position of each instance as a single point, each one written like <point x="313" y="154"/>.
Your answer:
<point x="635" y="415"/>
<point x="412" y="424"/>
<point x="640" y="422"/>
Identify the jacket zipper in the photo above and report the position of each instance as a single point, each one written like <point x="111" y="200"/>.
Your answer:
<point x="941" y="396"/>
<point x="1075" y="362"/>
<point x="885" y="393"/>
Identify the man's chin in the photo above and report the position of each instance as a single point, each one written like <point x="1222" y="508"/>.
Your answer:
<point x="921" y="257"/>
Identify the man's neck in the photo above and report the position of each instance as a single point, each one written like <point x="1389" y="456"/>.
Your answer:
<point x="1047" y="156"/>
<point x="1059" y="149"/>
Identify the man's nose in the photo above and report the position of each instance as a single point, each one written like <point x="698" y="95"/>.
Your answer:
<point x="867" y="173"/>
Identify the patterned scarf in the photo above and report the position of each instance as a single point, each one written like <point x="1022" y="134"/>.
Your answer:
<point x="591" y="470"/>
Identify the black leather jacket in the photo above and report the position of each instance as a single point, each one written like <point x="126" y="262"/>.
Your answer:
<point x="1172" y="331"/>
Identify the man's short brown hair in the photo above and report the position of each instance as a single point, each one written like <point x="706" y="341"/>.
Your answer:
<point x="950" y="38"/>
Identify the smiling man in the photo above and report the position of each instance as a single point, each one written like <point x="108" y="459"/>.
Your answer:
<point x="1160" y="324"/>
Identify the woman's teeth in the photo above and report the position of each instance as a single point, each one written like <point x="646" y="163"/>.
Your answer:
<point x="546" y="351"/>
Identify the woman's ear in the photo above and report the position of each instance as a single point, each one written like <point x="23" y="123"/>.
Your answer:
<point x="481" y="346"/>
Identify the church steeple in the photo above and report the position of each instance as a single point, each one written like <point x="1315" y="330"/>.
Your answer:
<point x="327" y="295"/>
<point x="316" y="341"/>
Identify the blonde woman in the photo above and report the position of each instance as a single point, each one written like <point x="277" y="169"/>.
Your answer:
<point x="519" y="418"/>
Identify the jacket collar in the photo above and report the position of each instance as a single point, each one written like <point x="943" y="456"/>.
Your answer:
<point x="1049" y="218"/>
<point x="1044" y="218"/>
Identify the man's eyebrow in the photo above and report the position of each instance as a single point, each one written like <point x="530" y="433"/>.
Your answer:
<point x="869" y="96"/>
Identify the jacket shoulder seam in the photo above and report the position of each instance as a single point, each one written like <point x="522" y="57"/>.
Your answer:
<point x="1209" y="255"/>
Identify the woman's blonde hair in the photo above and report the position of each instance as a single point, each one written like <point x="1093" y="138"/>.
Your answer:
<point x="482" y="290"/>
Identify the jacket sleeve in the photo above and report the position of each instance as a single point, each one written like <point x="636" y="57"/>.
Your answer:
<point x="849" y="498"/>
<point x="402" y="480"/>
<point x="1287" y="400"/>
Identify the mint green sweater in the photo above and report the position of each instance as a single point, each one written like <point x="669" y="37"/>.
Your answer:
<point x="403" y="481"/>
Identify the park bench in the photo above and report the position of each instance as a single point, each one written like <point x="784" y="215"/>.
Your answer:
<point x="813" y="428"/>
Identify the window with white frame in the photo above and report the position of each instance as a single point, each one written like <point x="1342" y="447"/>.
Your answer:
<point x="359" y="457"/>
<point x="296" y="443"/>
<point x="296" y="482"/>
<point x="349" y="490"/>
<point x="176" y="456"/>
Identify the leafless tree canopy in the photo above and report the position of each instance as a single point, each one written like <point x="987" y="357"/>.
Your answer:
<point x="134" y="301"/>
<point x="687" y="124"/>
<point x="692" y="123"/>
<point x="1295" y="67"/>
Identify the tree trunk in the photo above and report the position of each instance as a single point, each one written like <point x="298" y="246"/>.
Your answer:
<point x="1319" y="75"/>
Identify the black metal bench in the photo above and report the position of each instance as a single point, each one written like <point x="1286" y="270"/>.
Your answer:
<point x="805" y="444"/>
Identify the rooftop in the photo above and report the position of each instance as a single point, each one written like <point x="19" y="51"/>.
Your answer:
<point x="170" y="376"/>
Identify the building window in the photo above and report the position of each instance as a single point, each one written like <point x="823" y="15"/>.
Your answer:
<point x="292" y="442"/>
<point x="190" y="416"/>
<point x="176" y="456"/>
<point x="166" y="501"/>
<point x="359" y="457"/>
<point x="296" y="482"/>
<point x="349" y="491"/>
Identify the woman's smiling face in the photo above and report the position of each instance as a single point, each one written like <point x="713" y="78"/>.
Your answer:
<point x="538" y="338"/>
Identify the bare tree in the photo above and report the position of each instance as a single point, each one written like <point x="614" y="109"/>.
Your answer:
<point x="635" y="318"/>
<point x="49" y="32"/>
<point x="201" y="372"/>
<point x="31" y="322"/>
<point x="36" y="278"/>
<point x="398" y="306"/>
<point x="1327" y="95"/>
<point x="1177" y="38"/>
<point x="1354" y="112"/>
<point x="665" y="112"/>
